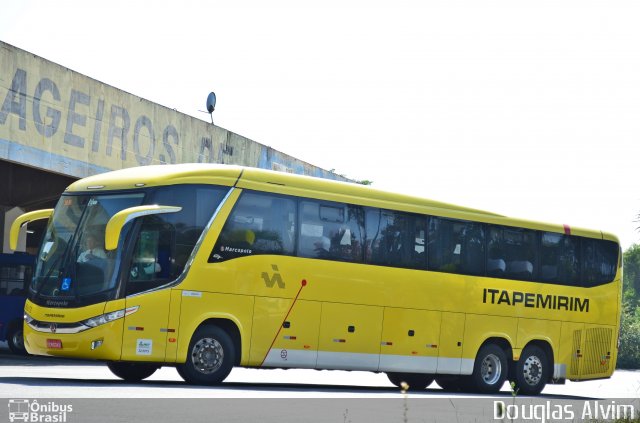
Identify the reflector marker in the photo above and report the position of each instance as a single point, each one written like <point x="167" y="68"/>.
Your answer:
<point x="386" y="343"/>
<point x="341" y="341"/>
<point x="172" y="339"/>
<point x="167" y="330"/>
<point x="289" y="337"/>
<point x="414" y="352"/>
<point x="431" y="346"/>
<point x="306" y="347"/>
<point x="136" y="328"/>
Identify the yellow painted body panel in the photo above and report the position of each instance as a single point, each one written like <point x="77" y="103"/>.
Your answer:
<point x="145" y="331"/>
<point x="451" y="342"/>
<point x="411" y="332"/>
<point x="350" y="328"/>
<point x="174" y="324"/>
<point x="478" y="328"/>
<point x="539" y="330"/>
<point x="300" y="332"/>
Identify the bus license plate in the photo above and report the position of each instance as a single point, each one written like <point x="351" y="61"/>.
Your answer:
<point x="54" y="344"/>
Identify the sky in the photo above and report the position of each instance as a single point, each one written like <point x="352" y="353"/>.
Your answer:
<point x="528" y="109"/>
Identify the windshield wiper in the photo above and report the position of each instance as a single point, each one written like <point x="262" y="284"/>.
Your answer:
<point x="48" y="275"/>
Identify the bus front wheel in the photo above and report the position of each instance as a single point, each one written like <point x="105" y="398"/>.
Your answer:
<point x="210" y="357"/>
<point x="532" y="370"/>
<point x="490" y="369"/>
<point x="15" y="339"/>
<point x="415" y="381"/>
<point x="132" y="372"/>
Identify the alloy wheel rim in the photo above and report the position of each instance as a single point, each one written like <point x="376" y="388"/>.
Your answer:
<point x="207" y="355"/>
<point x="532" y="370"/>
<point x="491" y="369"/>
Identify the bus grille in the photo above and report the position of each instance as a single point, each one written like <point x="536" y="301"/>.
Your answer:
<point x="597" y="351"/>
<point x="575" y="356"/>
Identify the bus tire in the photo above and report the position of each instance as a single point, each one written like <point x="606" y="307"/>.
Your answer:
<point x="490" y="369"/>
<point x="132" y="372"/>
<point x="15" y="339"/>
<point x="415" y="381"/>
<point x="532" y="370"/>
<point x="210" y="357"/>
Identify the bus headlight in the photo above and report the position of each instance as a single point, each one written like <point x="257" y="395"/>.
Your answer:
<point x="28" y="319"/>
<point x="109" y="317"/>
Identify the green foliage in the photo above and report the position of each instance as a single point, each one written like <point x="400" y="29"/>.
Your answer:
<point x="364" y="182"/>
<point x="629" y="351"/>
<point x="631" y="281"/>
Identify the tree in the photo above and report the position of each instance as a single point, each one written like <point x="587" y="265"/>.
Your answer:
<point x="629" y="351"/>
<point x="631" y="278"/>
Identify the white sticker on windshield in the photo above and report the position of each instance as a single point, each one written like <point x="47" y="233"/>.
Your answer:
<point x="457" y="249"/>
<point x="47" y="247"/>
<point x="144" y="347"/>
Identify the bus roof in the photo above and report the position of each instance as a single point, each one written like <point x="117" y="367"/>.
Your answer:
<point x="304" y="186"/>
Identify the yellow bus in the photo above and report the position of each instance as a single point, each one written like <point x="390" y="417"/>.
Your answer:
<point x="207" y="267"/>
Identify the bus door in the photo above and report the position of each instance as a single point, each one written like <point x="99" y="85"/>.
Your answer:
<point x="146" y="326"/>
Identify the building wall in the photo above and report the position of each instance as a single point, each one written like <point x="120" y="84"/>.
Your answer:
<point x="59" y="120"/>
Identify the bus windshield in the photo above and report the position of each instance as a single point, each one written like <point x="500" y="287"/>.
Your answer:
<point x="72" y="260"/>
<point x="73" y="268"/>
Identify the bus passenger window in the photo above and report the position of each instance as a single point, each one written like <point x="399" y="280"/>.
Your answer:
<point x="259" y="224"/>
<point x="511" y="253"/>
<point x="599" y="261"/>
<point x="559" y="259"/>
<point x="331" y="231"/>
<point x="395" y="239"/>
<point x="456" y="246"/>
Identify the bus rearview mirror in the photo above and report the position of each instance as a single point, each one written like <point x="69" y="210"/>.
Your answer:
<point x="23" y="220"/>
<point x="117" y="222"/>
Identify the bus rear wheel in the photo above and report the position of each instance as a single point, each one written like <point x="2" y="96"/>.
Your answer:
<point x="490" y="369"/>
<point x="132" y="372"/>
<point x="415" y="381"/>
<point x="532" y="370"/>
<point x="210" y="357"/>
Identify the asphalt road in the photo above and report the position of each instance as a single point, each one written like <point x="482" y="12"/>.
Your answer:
<point x="252" y="394"/>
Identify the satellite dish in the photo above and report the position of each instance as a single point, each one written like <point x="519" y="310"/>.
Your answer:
<point x="211" y="102"/>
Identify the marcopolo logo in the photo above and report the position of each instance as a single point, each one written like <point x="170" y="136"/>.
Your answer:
<point x="31" y="411"/>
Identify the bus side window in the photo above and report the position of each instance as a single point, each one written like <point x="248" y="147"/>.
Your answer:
<point x="599" y="261"/>
<point x="395" y="239"/>
<point x="259" y="224"/>
<point x="456" y="246"/>
<point x="331" y="231"/>
<point x="559" y="258"/>
<point x="511" y="253"/>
